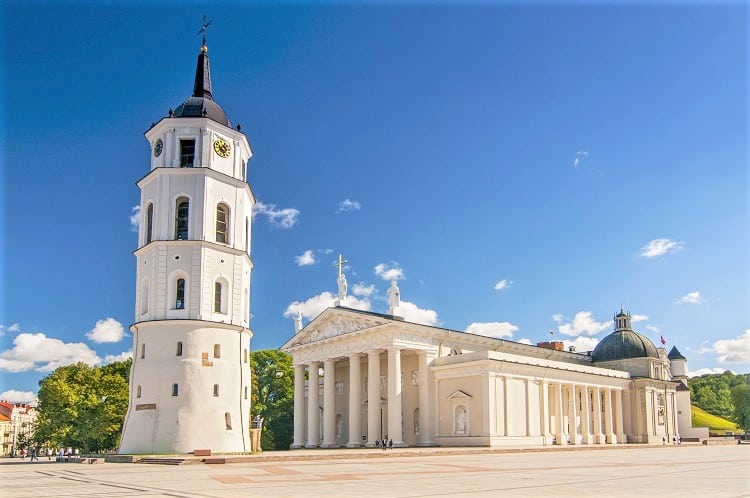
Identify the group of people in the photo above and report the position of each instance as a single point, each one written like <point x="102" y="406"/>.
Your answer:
<point x="382" y="443"/>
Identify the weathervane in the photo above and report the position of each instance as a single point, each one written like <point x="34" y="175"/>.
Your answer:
<point x="204" y="27"/>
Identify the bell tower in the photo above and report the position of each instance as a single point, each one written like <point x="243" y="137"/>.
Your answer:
<point x="190" y="379"/>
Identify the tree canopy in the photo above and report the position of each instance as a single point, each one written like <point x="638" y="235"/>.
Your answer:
<point x="273" y="396"/>
<point x="741" y="402"/>
<point x="713" y="392"/>
<point x="81" y="406"/>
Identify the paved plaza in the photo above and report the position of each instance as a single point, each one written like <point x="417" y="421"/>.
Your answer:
<point x="688" y="470"/>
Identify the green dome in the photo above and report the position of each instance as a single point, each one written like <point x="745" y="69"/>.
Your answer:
<point x="623" y="344"/>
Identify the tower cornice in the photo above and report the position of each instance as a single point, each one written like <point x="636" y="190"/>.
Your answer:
<point x="203" y="243"/>
<point x="196" y="171"/>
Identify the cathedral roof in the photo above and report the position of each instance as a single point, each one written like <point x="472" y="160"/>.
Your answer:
<point x="622" y="344"/>
<point x="201" y="104"/>
<point x="675" y="354"/>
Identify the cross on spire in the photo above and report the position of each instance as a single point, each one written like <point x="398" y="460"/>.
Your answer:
<point x="204" y="27"/>
<point x="340" y="263"/>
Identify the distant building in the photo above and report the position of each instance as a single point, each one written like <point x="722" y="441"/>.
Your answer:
<point x="419" y="385"/>
<point x="190" y="379"/>
<point x="16" y="423"/>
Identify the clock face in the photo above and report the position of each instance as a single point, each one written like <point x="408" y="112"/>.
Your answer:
<point x="222" y="148"/>
<point x="158" y="147"/>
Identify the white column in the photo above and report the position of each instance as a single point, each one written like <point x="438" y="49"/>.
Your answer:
<point x="608" y="419"/>
<point x="395" y="422"/>
<point x="528" y="407"/>
<point x="586" y="416"/>
<point x="299" y="406"/>
<point x="373" y="397"/>
<point x="425" y="420"/>
<point x="544" y="411"/>
<point x="559" y="435"/>
<point x="355" y="402"/>
<point x="572" y="415"/>
<point x="313" y="406"/>
<point x="329" y="403"/>
<point x="506" y="411"/>
<point x="598" y="434"/>
<point x="619" y="429"/>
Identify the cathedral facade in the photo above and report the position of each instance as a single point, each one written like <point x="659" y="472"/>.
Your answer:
<point x="418" y="385"/>
<point x="190" y="379"/>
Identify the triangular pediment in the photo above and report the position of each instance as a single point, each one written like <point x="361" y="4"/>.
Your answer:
<point x="459" y="394"/>
<point x="334" y="322"/>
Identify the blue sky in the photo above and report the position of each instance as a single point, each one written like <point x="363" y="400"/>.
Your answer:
<point x="520" y="168"/>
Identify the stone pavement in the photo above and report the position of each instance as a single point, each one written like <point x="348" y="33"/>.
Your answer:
<point x="687" y="470"/>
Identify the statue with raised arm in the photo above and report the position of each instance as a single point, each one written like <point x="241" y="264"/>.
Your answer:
<point x="297" y="322"/>
<point x="341" y="281"/>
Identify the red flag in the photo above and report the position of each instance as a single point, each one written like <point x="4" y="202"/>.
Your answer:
<point x="663" y="340"/>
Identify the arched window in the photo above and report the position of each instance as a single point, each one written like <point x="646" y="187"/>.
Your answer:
<point x="182" y="208"/>
<point x="217" y="350"/>
<point x="216" y="389"/>
<point x="179" y="301"/>
<point x="247" y="235"/>
<point x="179" y="348"/>
<point x="175" y="389"/>
<point x="149" y="222"/>
<point x="144" y="297"/>
<point x="244" y="171"/>
<point x="228" y="421"/>
<point x="217" y="297"/>
<point x="222" y="224"/>
<point x="138" y="392"/>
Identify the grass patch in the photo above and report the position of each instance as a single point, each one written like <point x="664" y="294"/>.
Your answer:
<point x="702" y="418"/>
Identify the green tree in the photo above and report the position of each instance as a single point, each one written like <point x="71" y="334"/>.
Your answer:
<point x="741" y="401"/>
<point x="82" y="406"/>
<point x="273" y="396"/>
<point x="713" y="392"/>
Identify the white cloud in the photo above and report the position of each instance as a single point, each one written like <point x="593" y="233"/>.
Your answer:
<point x="413" y="313"/>
<point x="316" y="304"/>
<point x="306" y="258"/>
<point x="525" y="341"/>
<point x="503" y="284"/>
<point x="44" y="354"/>
<point x="283" y="218"/>
<point x="361" y="289"/>
<point x="18" y="396"/>
<point x="13" y="328"/>
<point x="107" y="330"/>
<point x="135" y="218"/>
<point x="705" y="371"/>
<point x="653" y="328"/>
<point x="498" y="330"/>
<point x="349" y="205"/>
<point x="111" y="358"/>
<point x="582" y="344"/>
<point x="390" y="271"/>
<point x="660" y="247"/>
<point x="583" y="324"/>
<point x="325" y="251"/>
<point x="580" y="156"/>
<point x="691" y="298"/>
<point x="638" y="318"/>
<point x="558" y="317"/>
<point x="735" y="350"/>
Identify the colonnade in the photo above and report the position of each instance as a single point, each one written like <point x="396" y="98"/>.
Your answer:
<point x="310" y="418"/>
<point x="574" y="414"/>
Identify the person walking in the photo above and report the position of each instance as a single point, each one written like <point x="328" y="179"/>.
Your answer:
<point x="390" y="444"/>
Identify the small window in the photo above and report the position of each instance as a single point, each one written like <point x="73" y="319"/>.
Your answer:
<point x="144" y="298"/>
<point x="245" y="392"/>
<point x="244" y="171"/>
<point x="179" y="348"/>
<point x="222" y="218"/>
<point x="187" y="153"/>
<point x="179" y="302"/>
<point x="175" y="389"/>
<point x="244" y="355"/>
<point x="181" y="223"/>
<point x="143" y="350"/>
<point x="216" y="389"/>
<point x="217" y="351"/>
<point x="138" y="392"/>
<point x="247" y="235"/>
<point x="149" y="222"/>
<point x="217" y="297"/>
<point x="228" y="421"/>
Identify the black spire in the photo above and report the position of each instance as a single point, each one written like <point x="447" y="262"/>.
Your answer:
<point x="202" y="86"/>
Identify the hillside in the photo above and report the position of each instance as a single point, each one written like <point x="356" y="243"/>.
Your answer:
<point x="702" y="418"/>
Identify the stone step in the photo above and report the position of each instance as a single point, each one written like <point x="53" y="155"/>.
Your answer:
<point x="163" y="461"/>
